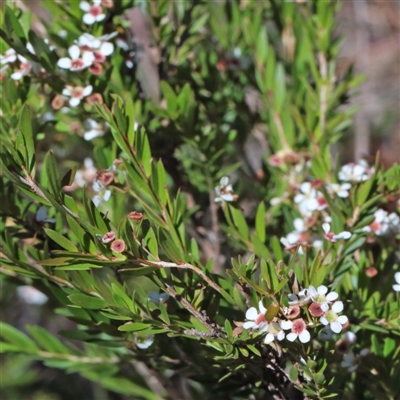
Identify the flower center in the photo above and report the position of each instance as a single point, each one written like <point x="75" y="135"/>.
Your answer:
<point x="77" y="92"/>
<point x="260" y="318"/>
<point x="298" y="326"/>
<point x="95" y="10"/>
<point x="78" y="63"/>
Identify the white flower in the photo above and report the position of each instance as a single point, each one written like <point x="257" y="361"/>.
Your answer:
<point x="256" y="319"/>
<point x="95" y="131"/>
<point x="94" y="13"/>
<point x="332" y="319"/>
<point x="350" y="362"/>
<point x="301" y="299"/>
<point x="87" y="174"/>
<point x="9" y="57"/>
<point x="356" y="172"/>
<point x="298" y="330"/>
<point x="76" y="62"/>
<point x="331" y="236"/>
<point x="396" y="287"/>
<point x="143" y="341"/>
<point x="156" y="298"/>
<point x="319" y="296"/>
<point x="309" y="199"/>
<point x="383" y="223"/>
<point x="296" y="237"/>
<point x="342" y="190"/>
<point x="224" y="191"/>
<point x="76" y="94"/>
<point x="30" y="295"/>
<point x="99" y="47"/>
<point x="275" y="331"/>
<point x="103" y="193"/>
<point x="24" y="69"/>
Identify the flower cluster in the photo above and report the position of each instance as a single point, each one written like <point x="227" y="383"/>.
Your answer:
<point x="323" y="308"/>
<point x="356" y="172"/>
<point x="383" y="223"/>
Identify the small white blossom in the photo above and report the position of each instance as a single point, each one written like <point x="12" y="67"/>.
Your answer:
<point x="350" y="362"/>
<point x="10" y="56"/>
<point x="256" y="319"/>
<point x="76" y="94"/>
<point x="301" y="299"/>
<point x="275" y="331"/>
<point x="94" y="13"/>
<point x="309" y="200"/>
<point x="334" y="237"/>
<point x="103" y="193"/>
<point x="77" y="62"/>
<point x="96" y="130"/>
<point x="298" y="330"/>
<point x="341" y="190"/>
<point x="25" y="68"/>
<point x="383" y="223"/>
<point x="356" y="172"/>
<point x="224" y="191"/>
<point x="396" y="287"/>
<point x="320" y="296"/>
<point x="332" y="319"/>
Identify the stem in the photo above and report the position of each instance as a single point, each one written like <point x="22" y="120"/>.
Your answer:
<point x="323" y="69"/>
<point x="189" y="308"/>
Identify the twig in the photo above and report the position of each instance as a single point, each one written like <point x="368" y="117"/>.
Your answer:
<point x="190" y="308"/>
<point x="323" y="69"/>
<point x="84" y="360"/>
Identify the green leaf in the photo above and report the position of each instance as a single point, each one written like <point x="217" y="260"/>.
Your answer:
<point x="68" y="178"/>
<point x="17" y="338"/>
<point x="46" y="340"/>
<point x="11" y="23"/>
<point x="228" y="329"/>
<point x="60" y="240"/>
<point x="85" y="301"/>
<point x="133" y="327"/>
<point x="170" y="97"/>
<point x="260" y="222"/>
<point x="53" y="176"/>
<point x="25" y="126"/>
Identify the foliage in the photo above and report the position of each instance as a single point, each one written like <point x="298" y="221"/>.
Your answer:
<point x="168" y="271"/>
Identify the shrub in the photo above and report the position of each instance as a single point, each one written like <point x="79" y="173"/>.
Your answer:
<point x="168" y="181"/>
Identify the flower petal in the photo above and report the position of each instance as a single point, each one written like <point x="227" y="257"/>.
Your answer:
<point x="91" y="134"/>
<point x="304" y="336"/>
<point x="326" y="227"/>
<point x="342" y="319"/>
<point x="322" y="290"/>
<point x="84" y="6"/>
<point x="248" y="325"/>
<point x="100" y="17"/>
<point x="285" y="325"/>
<point x="74" y="52"/>
<point x="261" y="307"/>
<point x="269" y="338"/>
<point x="74" y="101"/>
<point x="332" y="296"/>
<point x="88" y="19"/>
<point x="87" y="90"/>
<point x="251" y="313"/>
<point x="64" y="62"/>
<point x="16" y="76"/>
<point x="291" y="337"/>
<point x="324" y="321"/>
<point x="337" y="306"/>
<point x="106" y="49"/>
<point x="336" y="327"/>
